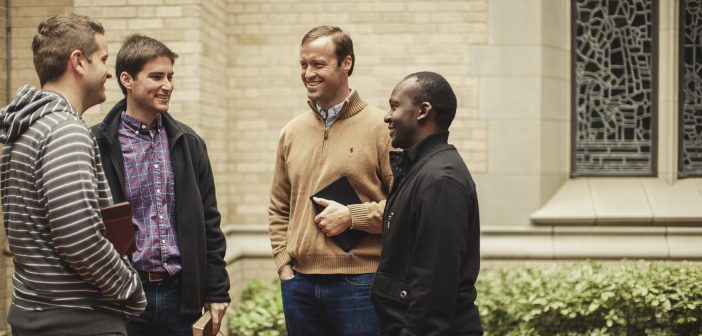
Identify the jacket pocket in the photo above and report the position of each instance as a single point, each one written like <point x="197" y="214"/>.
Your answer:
<point x="392" y="288"/>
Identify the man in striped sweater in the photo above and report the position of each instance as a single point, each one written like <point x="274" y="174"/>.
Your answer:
<point x="68" y="279"/>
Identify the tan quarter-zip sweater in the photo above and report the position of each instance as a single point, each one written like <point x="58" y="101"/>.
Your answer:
<point x="309" y="158"/>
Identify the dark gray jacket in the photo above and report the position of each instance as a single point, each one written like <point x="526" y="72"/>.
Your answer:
<point x="200" y="239"/>
<point x="425" y="284"/>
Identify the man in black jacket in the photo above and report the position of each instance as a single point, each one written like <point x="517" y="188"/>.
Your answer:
<point x="161" y="167"/>
<point x="425" y="284"/>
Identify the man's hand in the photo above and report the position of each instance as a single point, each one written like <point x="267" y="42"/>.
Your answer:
<point x="217" y="309"/>
<point x="335" y="219"/>
<point x="286" y="273"/>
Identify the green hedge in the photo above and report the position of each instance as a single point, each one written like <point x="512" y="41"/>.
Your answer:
<point x="260" y="311"/>
<point x="584" y="298"/>
<point x="627" y="298"/>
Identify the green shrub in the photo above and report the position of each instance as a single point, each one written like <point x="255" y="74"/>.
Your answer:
<point x="260" y="311"/>
<point x="585" y="298"/>
<point x="629" y="298"/>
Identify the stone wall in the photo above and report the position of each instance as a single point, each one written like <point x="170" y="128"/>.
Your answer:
<point x="192" y="29"/>
<point x="25" y="16"/>
<point x="237" y="80"/>
<point x="5" y="268"/>
<point x="195" y="30"/>
<point x="3" y="54"/>
<point x="391" y="40"/>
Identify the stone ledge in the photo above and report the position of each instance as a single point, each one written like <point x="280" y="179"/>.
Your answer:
<point x="591" y="242"/>
<point x="246" y="240"/>
<point x="624" y="201"/>
<point x="531" y="242"/>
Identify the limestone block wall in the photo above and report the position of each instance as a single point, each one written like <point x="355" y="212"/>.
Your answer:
<point x="237" y="78"/>
<point x="3" y="54"/>
<point x="523" y="95"/>
<point x="4" y="262"/>
<point x="26" y="15"/>
<point x="391" y="40"/>
<point x="193" y="29"/>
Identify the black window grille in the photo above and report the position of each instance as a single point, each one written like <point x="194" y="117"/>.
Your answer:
<point x="614" y="67"/>
<point x="690" y="89"/>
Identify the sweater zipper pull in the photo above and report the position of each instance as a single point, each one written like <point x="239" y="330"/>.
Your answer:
<point x="324" y="144"/>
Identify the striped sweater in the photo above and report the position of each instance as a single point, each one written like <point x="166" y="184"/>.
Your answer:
<point x="52" y="186"/>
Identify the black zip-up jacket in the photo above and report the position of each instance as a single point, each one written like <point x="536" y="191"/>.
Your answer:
<point x="200" y="240"/>
<point x="425" y="284"/>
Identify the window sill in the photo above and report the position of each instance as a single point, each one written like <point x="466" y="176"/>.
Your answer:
<point x="624" y="201"/>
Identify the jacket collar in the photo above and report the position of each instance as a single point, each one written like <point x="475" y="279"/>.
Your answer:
<point x="354" y="104"/>
<point x="110" y="125"/>
<point x="428" y="146"/>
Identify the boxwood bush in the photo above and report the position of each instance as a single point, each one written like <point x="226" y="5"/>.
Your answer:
<point x="259" y="312"/>
<point x="627" y="298"/>
<point x="582" y="298"/>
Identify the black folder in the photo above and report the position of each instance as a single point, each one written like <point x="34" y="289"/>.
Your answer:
<point x="342" y="192"/>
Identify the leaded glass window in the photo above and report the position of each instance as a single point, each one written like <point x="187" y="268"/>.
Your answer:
<point x="614" y="87"/>
<point x="690" y="99"/>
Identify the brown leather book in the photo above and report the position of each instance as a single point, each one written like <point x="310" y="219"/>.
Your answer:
<point x="119" y="227"/>
<point x="203" y="325"/>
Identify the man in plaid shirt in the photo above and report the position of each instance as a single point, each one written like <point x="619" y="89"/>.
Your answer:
<point x="161" y="167"/>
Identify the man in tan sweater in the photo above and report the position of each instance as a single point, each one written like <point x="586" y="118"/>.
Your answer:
<point x="326" y="291"/>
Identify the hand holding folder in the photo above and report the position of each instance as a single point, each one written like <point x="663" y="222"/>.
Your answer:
<point x="342" y="192"/>
<point x="119" y="227"/>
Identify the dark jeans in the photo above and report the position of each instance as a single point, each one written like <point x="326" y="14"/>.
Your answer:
<point x="18" y="332"/>
<point x="162" y="314"/>
<point x="328" y="305"/>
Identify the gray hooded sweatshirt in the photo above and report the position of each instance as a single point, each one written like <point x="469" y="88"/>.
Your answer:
<point x="67" y="276"/>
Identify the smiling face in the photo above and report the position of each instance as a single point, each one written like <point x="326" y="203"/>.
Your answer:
<point x="402" y="116"/>
<point x="325" y="79"/>
<point x="96" y="74"/>
<point x="150" y="90"/>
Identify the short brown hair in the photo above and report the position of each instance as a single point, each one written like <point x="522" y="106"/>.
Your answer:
<point x="57" y="38"/>
<point x="136" y="51"/>
<point x="343" y="44"/>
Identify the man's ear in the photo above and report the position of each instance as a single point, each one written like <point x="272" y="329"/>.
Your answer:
<point x="346" y="64"/>
<point x="424" y="110"/>
<point x="76" y="62"/>
<point x="126" y="80"/>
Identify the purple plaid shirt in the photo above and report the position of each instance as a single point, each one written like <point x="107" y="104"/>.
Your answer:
<point x="150" y="188"/>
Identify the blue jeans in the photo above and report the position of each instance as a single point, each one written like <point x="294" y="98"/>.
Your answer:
<point x="328" y="305"/>
<point x="18" y="332"/>
<point x="162" y="314"/>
